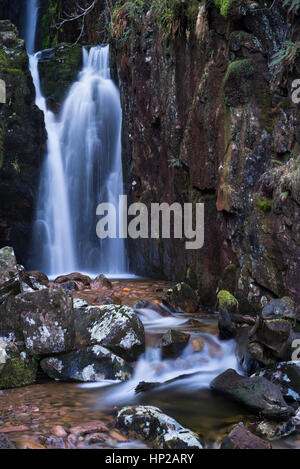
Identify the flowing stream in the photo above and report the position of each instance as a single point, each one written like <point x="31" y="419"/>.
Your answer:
<point x="82" y="168"/>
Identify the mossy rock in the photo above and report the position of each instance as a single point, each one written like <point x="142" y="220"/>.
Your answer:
<point x="227" y="302"/>
<point x="225" y="6"/>
<point x="238" y="83"/>
<point x="18" y="372"/>
<point x="59" y="72"/>
<point x="264" y="204"/>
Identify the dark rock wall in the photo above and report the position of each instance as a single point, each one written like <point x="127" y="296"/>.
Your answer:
<point x="206" y="121"/>
<point x="22" y="144"/>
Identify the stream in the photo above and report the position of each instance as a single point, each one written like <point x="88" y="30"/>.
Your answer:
<point x="46" y="404"/>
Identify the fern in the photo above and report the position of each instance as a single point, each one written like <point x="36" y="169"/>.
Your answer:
<point x="293" y="6"/>
<point x="285" y="59"/>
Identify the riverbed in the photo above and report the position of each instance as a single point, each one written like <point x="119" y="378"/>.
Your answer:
<point x="30" y="415"/>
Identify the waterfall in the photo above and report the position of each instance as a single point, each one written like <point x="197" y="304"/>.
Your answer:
<point x="82" y="168"/>
<point x="31" y="23"/>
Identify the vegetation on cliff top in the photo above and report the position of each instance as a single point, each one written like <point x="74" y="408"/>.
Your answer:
<point x="170" y="15"/>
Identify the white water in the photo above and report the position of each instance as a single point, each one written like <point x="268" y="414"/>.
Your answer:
<point x="82" y="168"/>
<point x="200" y="367"/>
<point x="31" y="22"/>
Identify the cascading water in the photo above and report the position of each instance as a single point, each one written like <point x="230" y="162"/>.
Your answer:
<point x="31" y="22"/>
<point x="82" y="168"/>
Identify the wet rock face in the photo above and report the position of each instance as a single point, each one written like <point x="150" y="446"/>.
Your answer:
<point x="241" y="438"/>
<point x="151" y="424"/>
<point x="87" y="365"/>
<point x="257" y="393"/>
<point x="22" y="144"/>
<point x="116" y="327"/>
<point x="205" y="123"/>
<point x="58" y="71"/>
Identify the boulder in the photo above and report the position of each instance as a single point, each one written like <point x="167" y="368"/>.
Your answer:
<point x="89" y="364"/>
<point x="75" y="277"/>
<point x="257" y="393"/>
<point x="287" y="376"/>
<point x="151" y="424"/>
<point x="181" y="298"/>
<point x="241" y="438"/>
<point x="17" y="369"/>
<point x="275" y="430"/>
<point x="115" y="327"/>
<point x="173" y="343"/>
<point x="38" y="278"/>
<point x="32" y="281"/>
<point x="68" y="286"/>
<point x="271" y="337"/>
<point x="230" y="321"/>
<point x="43" y="319"/>
<point x="101" y="281"/>
<point x="227" y="302"/>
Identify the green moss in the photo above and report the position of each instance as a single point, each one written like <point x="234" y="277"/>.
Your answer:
<point x="263" y="204"/>
<point x="46" y="23"/>
<point x="17" y="373"/>
<point x="226" y="300"/>
<point x="238" y="83"/>
<point x="60" y="72"/>
<point x="223" y="6"/>
<point x="231" y="267"/>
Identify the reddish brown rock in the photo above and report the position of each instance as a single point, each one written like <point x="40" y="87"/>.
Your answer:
<point x="241" y="438"/>
<point x="95" y="426"/>
<point x="12" y="429"/>
<point x="59" y="431"/>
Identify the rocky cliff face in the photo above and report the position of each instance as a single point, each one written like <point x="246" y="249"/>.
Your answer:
<point x="22" y="143"/>
<point x="206" y="120"/>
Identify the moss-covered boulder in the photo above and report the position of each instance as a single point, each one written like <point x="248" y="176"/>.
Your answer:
<point x="271" y="337"/>
<point x="22" y="144"/>
<point x="256" y="393"/>
<point x="58" y="71"/>
<point x="227" y="302"/>
<point x="227" y="307"/>
<point x="181" y="298"/>
<point x="115" y="327"/>
<point x="87" y="365"/>
<point x="17" y="369"/>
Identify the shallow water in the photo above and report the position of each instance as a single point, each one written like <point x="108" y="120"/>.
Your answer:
<point x="41" y="406"/>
